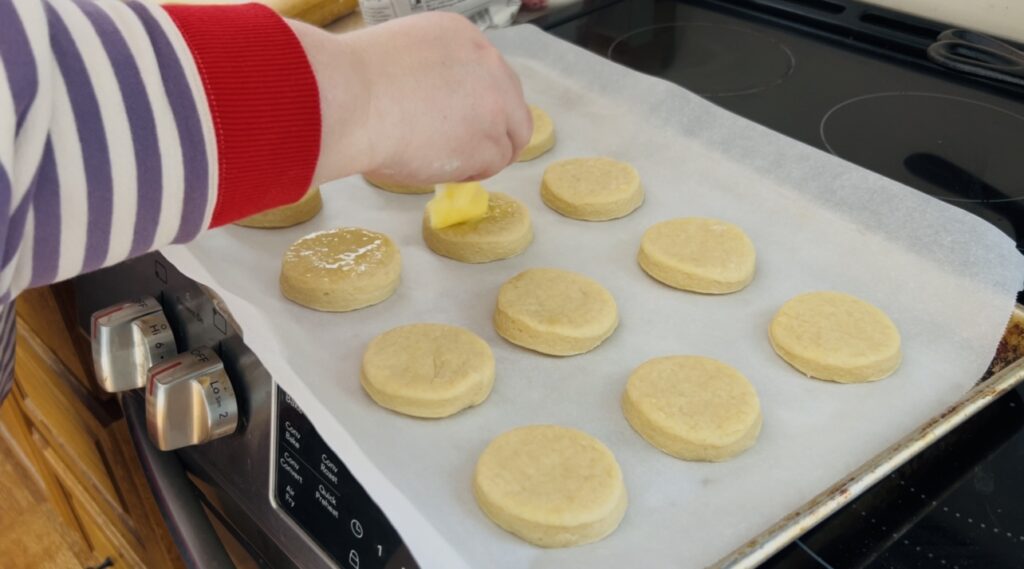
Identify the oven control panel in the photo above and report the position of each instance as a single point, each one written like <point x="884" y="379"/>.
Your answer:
<point x="315" y="489"/>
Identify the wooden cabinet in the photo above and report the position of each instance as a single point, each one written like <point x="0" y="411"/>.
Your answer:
<point x="75" y="440"/>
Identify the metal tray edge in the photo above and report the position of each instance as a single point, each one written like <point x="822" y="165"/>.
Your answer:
<point x="799" y="521"/>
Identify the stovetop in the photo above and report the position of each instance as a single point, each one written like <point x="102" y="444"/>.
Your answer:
<point x="854" y="81"/>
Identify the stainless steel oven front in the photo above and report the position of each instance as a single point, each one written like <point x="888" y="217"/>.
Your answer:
<point x="273" y="482"/>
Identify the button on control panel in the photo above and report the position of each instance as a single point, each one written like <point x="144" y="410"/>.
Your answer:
<point x="315" y="489"/>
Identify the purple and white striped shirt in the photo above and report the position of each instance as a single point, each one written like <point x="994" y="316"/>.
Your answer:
<point x="109" y="144"/>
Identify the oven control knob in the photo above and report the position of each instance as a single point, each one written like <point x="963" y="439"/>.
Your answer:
<point x="189" y="401"/>
<point x="127" y="339"/>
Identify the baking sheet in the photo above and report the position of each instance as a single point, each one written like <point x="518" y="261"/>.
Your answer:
<point x="946" y="278"/>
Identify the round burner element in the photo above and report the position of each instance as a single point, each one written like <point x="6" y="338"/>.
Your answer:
<point x="711" y="60"/>
<point x="955" y="149"/>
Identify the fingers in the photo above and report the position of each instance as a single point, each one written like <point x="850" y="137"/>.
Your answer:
<point x="491" y="154"/>
<point x="520" y="119"/>
<point x="501" y="157"/>
<point x="519" y="128"/>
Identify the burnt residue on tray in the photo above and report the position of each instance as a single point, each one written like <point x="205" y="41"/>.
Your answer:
<point x="1011" y="346"/>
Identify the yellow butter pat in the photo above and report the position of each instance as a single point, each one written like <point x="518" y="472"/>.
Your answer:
<point x="457" y="203"/>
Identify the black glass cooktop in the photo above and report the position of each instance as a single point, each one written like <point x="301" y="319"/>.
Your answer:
<point x="854" y="81"/>
<point x="863" y="97"/>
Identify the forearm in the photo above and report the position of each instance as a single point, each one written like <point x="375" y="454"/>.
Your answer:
<point x="344" y="102"/>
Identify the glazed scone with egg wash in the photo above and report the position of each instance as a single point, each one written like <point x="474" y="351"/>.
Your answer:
<point x="555" y="312"/>
<point x="693" y="408"/>
<point x="551" y="486"/>
<point x="399" y="188"/>
<point x="592" y="189"/>
<point x="836" y="337"/>
<point x="428" y="370"/>
<point x="287" y="215"/>
<point x="504" y="231"/>
<point x="543" y="137"/>
<point x="698" y="254"/>
<point x="341" y="269"/>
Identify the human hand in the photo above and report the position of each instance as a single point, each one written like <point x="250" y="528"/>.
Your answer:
<point x="419" y="100"/>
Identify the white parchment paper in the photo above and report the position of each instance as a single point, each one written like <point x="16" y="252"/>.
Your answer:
<point x="945" y="277"/>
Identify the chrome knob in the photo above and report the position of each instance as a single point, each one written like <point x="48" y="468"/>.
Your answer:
<point x="127" y="339"/>
<point x="189" y="401"/>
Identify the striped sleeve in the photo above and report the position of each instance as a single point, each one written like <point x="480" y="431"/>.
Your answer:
<point x="126" y="126"/>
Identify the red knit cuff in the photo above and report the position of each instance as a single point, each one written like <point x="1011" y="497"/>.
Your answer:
<point x="264" y="102"/>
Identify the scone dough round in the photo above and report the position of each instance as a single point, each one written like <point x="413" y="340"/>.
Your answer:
<point x="592" y="189"/>
<point x="399" y="188"/>
<point x="555" y="312"/>
<point x="698" y="254"/>
<point x="836" y="337"/>
<point x="341" y="269"/>
<point x="543" y="137"/>
<point x="693" y="408"/>
<point x="552" y="486"/>
<point x="428" y="370"/>
<point x="504" y="232"/>
<point x="287" y="215"/>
